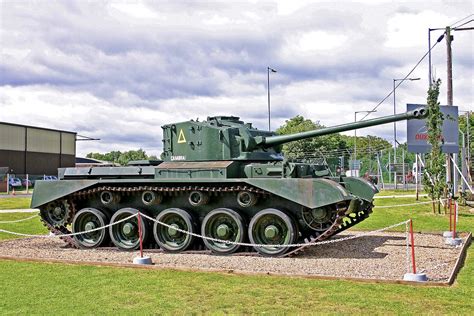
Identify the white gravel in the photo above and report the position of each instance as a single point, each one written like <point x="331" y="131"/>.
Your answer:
<point x="381" y="256"/>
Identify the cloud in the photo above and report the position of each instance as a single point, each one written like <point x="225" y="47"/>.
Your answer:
<point x="119" y="70"/>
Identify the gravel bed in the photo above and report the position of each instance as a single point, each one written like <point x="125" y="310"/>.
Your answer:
<point x="380" y="256"/>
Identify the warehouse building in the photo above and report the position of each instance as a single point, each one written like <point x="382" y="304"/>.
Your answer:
<point x="36" y="150"/>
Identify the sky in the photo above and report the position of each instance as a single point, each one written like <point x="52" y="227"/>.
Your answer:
<point x="119" y="70"/>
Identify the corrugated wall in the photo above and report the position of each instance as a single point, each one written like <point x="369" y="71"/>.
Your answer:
<point x="34" y="150"/>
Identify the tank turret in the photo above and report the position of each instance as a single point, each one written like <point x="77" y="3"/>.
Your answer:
<point x="228" y="138"/>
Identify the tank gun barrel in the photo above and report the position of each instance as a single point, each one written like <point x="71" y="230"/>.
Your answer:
<point x="272" y="141"/>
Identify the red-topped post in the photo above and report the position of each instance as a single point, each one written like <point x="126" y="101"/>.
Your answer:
<point x="141" y="259"/>
<point x="140" y="234"/>
<point x="417" y="277"/>
<point x="412" y="247"/>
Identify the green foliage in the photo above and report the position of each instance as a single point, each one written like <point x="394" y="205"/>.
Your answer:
<point x="312" y="145"/>
<point x="434" y="178"/>
<point x="333" y="146"/>
<point x="367" y="148"/>
<point x="122" y="158"/>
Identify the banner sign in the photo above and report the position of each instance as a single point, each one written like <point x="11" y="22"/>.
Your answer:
<point x="417" y="132"/>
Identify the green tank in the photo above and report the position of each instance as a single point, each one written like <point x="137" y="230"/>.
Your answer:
<point x="220" y="178"/>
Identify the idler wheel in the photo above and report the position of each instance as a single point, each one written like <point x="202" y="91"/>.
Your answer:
<point x="151" y="198"/>
<point x="198" y="198"/>
<point x="124" y="235"/>
<point x="88" y="219"/>
<point x="57" y="213"/>
<point x="319" y="219"/>
<point x="271" y="227"/>
<point x="247" y="199"/>
<point x="224" y="224"/>
<point x="108" y="198"/>
<point x="169" y="238"/>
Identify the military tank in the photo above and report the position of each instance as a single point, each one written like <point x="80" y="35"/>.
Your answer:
<point x="220" y="178"/>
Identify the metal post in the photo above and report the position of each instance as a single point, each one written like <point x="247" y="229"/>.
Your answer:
<point x="463" y="168"/>
<point x="416" y="176"/>
<point x="429" y="57"/>
<point x="468" y="132"/>
<point x="268" y="95"/>
<point x="449" y="66"/>
<point x="449" y="69"/>
<point x="403" y="170"/>
<point x="394" y="135"/>
<point x="455" y="175"/>
<point x="27" y="184"/>
<point x="8" y="183"/>
<point x="389" y="172"/>
<point x="355" y="146"/>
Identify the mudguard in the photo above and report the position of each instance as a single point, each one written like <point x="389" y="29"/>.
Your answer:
<point x="360" y="188"/>
<point x="47" y="191"/>
<point x="311" y="193"/>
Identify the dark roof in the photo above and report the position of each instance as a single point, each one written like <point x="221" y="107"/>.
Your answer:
<point x="87" y="160"/>
<point x="30" y="126"/>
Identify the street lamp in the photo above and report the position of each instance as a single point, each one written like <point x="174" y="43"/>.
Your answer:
<point x="395" y="123"/>
<point x="268" y="91"/>
<point x="355" y="139"/>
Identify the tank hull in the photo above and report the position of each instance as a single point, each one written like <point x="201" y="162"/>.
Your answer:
<point x="339" y="200"/>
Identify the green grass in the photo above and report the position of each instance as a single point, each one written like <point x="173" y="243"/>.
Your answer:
<point x="15" y="203"/>
<point x="32" y="226"/>
<point x="423" y="217"/>
<point x="38" y="288"/>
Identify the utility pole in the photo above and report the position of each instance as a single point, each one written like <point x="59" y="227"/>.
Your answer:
<point x="269" y="69"/>
<point x="449" y="68"/>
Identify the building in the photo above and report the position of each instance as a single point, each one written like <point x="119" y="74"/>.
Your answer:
<point x="36" y="150"/>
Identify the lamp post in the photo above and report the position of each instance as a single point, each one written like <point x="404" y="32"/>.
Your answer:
<point x="355" y="140"/>
<point x="395" y="125"/>
<point x="268" y="92"/>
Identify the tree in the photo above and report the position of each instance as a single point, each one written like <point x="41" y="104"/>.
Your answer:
<point x="434" y="178"/>
<point x="328" y="146"/>
<point x="122" y="157"/>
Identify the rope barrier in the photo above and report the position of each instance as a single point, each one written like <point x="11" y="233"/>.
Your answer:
<point x="209" y="238"/>
<point x="409" y="204"/>
<point x="71" y="234"/>
<point x="19" y="220"/>
<point x="271" y="245"/>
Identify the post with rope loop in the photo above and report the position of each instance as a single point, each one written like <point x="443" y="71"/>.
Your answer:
<point x="451" y="238"/>
<point x="141" y="259"/>
<point x="417" y="277"/>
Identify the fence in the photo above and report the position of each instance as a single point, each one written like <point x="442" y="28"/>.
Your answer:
<point x="21" y="183"/>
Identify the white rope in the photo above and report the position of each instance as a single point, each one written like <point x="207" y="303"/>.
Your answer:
<point x="72" y="234"/>
<point x="409" y="204"/>
<point x="228" y="242"/>
<point x="19" y="220"/>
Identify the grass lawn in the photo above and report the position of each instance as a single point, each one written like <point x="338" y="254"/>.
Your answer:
<point x="38" y="288"/>
<point x="9" y="203"/>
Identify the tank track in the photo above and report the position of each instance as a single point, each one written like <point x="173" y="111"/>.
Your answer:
<point x="341" y="223"/>
<point x="70" y="242"/>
